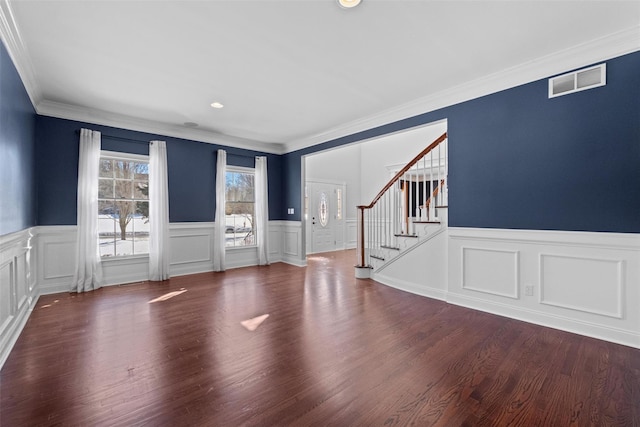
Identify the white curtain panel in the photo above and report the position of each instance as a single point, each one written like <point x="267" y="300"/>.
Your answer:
<point x="158" y="212"/>
<point x="88" y="274"/>
<point x="262" y="210"/>
<point x="219" y="244"/>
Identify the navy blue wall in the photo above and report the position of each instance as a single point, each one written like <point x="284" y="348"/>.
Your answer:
<point x="517" y="159"/>
<point x="520" y="160"/>
<point x="191" y="170"/>
<point x="17" y="121"/>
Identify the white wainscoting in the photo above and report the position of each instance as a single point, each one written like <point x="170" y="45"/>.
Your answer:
<point x="491" y="271"/>
<point x="291" y="243"/>
<point x="18" y="291"/>
<point x="191" y="252"/>
<point x="587" y="283"/>
<point x="191" y="247"/>
<point x="56" y="257"/>
<point x="352" y="233"/>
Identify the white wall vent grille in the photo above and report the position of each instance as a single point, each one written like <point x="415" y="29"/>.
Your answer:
<point x="587" y="78"/>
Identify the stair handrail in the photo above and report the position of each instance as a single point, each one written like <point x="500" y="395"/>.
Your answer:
<point x="396" y="178"/>
<point x="408" y="166"/>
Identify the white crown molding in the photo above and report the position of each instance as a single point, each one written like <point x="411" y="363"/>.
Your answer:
<point x="610" y="46"/>
<point x="100" y="117"/>
<point x="18" y="52"/>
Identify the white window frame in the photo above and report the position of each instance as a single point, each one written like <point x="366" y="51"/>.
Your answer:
<point x="118" y="155"/>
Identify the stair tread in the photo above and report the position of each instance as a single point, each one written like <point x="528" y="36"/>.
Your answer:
<point x="396" y="248"/>
<point x="426" y="222"/>
<point x="377" y="257"/>
<point x="442" y="207"/>
<point x="406" y="235"/>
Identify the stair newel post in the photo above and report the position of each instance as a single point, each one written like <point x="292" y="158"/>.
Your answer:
<point x="376" y="227"/>
<point x="384" y="216"/>
<point x="387" y="217"/>
<point x="395" y="211"/>
<point x="423" y="199"/>
<point x="437" y="197"/>
<point x="361" y="232"/>
<point x="405" y="208"/>
<point x="445" y="195"/>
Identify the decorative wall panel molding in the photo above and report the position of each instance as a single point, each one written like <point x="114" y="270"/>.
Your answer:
<point x="491" y="271"/>
<point x="592" y="285"/>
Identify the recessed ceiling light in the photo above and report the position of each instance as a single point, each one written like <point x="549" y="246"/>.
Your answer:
<point x="216" y="105"/>
<point x="348" y="4"/>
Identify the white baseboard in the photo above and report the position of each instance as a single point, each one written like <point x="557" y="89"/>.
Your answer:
<point x="594" y="330"/>
<point x="411" y="287"/>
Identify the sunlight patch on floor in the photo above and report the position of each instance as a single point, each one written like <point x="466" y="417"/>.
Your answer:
<point x="252" y="324"/>
<point x="49" y="305"/>
<point x="168" y="296"/>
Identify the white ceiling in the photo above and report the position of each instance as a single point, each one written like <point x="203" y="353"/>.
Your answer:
<point x="293" y="72"/>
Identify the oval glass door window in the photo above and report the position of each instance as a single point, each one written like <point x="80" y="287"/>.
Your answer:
<point x="323" y="210"/>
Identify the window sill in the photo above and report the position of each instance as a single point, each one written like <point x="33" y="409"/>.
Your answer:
<point x="239" y="248"/>
<point x="125" y="259"/>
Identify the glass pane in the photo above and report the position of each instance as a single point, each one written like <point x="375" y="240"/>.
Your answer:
<point x="140" y="228"/>
<point x="239" y="187"/>
<point x="106" y="168"/>
<point x="106" y="228"/>
<point x="323" y="210"/>
<point x="123" y="189"/>
<point x="141" y="171"/>
<point x="141" y="190"/>
<point x="240" y="228"/>
<point x="124" y="216"/>
<point x="142" y="209"/>
<point x="105" y="189"/>
<point x="123" y="169"/>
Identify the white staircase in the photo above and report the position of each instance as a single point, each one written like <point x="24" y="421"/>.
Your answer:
<point x="408" y="212"/>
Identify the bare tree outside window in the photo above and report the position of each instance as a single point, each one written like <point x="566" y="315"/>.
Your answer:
<point x="123" y="206"/>
<point x="240" y="209"/>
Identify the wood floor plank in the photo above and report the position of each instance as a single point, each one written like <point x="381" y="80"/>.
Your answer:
<point x="334" y="350"/>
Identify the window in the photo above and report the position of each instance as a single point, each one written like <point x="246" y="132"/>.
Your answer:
<point x="240" y="207"/>
<point x="338" y="203"/>
<point x="323" y="210"/>
<point x="123" y="204"/>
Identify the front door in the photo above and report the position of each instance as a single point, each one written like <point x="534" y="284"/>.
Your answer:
<point x="325" y="223"/>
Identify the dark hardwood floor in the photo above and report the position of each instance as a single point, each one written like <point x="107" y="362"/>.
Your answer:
<point x="333" y="351"/>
